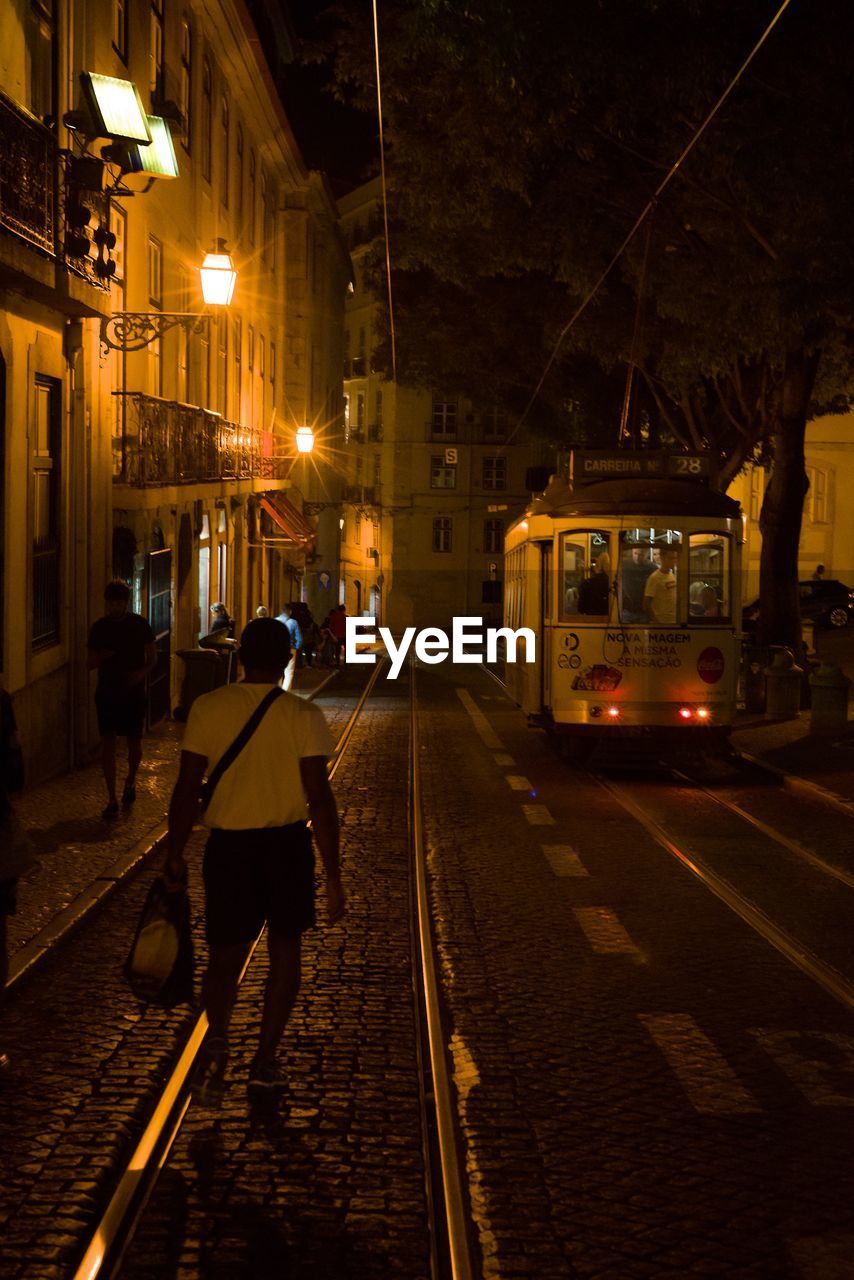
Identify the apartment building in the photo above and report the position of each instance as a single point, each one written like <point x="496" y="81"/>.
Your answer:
<point x="432" y="479"/>
<point x="144" y="435"/>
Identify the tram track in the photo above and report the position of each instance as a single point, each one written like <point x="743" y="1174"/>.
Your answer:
<point x="449" y="1232"/>
<point x="689" y="855"/>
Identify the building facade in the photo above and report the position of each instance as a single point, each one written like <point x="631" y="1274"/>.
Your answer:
<point x="432" y="479"/>
<point x="158" y="450"/>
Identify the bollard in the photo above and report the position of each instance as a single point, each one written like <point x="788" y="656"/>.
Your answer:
<point x="829" y="687"/>
<point x="783" y="685"/>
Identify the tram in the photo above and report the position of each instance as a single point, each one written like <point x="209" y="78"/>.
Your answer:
<point x="628" y="571"/>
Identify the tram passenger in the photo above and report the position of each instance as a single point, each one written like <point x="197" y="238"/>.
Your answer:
<point x="659" y="594"/>
<point x="633" y="578"/>
<point x="710" y="605"/>
<point x="258" y="863"/>
<point x="594" y="592"/>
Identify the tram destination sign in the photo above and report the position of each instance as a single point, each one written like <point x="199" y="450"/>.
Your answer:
<point x="623" y="464"/>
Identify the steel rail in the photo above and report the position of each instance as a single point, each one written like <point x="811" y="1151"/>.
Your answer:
<point x="454" y="1198"/>
<point x="833" y="982"/>
<point x="772" y="833"/>
<point x="110" y="1239"/>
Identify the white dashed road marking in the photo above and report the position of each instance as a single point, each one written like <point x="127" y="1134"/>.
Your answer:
<point x="819" y="1063"/>
<point x="538" y="815"/>
<point x="487" y="734"/>
<point x="517" y="782"/>
<point x="712" y="1086"/>
<point x="504" y="762"/>
<point x="563" y="860"/>
<point x="604" y="931"/>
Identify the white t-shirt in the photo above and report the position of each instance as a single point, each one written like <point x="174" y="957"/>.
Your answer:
<point x="660" y="591"/>
<point x="263" y="787"/>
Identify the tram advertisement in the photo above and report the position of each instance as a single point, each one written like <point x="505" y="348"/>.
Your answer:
<point x="639" y="664"/>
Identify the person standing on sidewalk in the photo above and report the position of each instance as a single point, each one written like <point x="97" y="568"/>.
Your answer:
<point x="122" y="649"/>
<point x="295" y="636"/>
<point x="258" y="861"/>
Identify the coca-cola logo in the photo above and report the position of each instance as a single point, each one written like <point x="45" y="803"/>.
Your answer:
<point x="710" y="665"/>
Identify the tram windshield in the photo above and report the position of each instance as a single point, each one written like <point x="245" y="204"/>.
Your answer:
<point x="585" y="573"/>
<point x="651" y="562"/>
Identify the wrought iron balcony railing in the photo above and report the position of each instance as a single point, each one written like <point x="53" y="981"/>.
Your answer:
<point x="28" y="176"/>
<point x="164" y="442"/>
<point x="43" y="205"/>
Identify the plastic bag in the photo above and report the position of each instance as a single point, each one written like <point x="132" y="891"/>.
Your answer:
<point x="160" y="965"/>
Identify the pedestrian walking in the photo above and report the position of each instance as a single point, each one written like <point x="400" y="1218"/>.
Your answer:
<point x="818" y="576"/>
<point x="14" y="849"/>
<point x="338" y="630"/>
<point x="122" y="649"/>
<point x="258" y="860"/>
<point x="295" y="636"/>
<point x="326" y="648"/>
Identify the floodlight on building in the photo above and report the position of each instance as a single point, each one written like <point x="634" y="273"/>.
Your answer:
<point x="218" y="276"/>
<point x="305" y="439"/>
<point x="115" y="109"/>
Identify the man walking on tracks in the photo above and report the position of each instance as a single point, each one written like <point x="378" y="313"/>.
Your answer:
<point x="258" y="861"/>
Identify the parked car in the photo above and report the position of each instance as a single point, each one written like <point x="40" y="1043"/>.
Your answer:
<point x="828" y="603"/>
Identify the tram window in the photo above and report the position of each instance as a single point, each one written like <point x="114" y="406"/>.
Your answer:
<point x="708" y="577"/>
<point x="647" y="591"/>
<point x="585" y="573"/>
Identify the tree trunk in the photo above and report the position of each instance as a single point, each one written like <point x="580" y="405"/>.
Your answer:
<point x="782" y="508"/>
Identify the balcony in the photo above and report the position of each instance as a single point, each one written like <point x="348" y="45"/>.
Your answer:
<point x="35" y="194"/>
<point x="28" y="168"/>
<point x="167" y="443"/>
<point x="361" y="495"/>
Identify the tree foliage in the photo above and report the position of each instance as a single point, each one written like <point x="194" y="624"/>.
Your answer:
<point x="523" y="141"/>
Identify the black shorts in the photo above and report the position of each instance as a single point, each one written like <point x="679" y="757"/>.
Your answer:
<point x="120" y="712"/>
<point x="8" y="897"/>
<point x="258" y="875"/>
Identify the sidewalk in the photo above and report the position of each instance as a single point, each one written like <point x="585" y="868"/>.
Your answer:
<point x="824" y="759"/>
<point x="74" y="846"/>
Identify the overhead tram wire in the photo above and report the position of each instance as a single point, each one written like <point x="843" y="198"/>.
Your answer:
<point x="665" y="182"/>
<point x="385" y="195"/>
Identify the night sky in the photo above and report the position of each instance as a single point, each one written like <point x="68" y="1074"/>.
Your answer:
<point x="341" y="142"/>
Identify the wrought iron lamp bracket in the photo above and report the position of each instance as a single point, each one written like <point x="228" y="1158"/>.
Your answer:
<point x="136" y="330"/>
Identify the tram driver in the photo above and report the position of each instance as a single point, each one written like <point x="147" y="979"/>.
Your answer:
<point x="659" y="594"/>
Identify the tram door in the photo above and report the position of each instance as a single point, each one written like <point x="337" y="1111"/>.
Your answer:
<point x="544" y="630"/>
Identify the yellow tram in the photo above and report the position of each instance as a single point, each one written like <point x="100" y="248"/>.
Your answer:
<point x="628" y="572"/>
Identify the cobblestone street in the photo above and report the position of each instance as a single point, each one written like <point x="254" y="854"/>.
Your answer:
<point x="644" y="1086"/>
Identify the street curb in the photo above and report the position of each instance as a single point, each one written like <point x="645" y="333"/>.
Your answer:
<point x="60" y="926"/>
<point x="795" y="783"/>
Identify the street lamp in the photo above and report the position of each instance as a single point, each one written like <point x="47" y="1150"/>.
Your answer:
<point x="136" y="330"/>
<point x="218" y="277"/>
<point x="305" y="439"/>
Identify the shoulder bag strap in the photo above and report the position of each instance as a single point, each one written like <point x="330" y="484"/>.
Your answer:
<point x="230" y="755"/>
